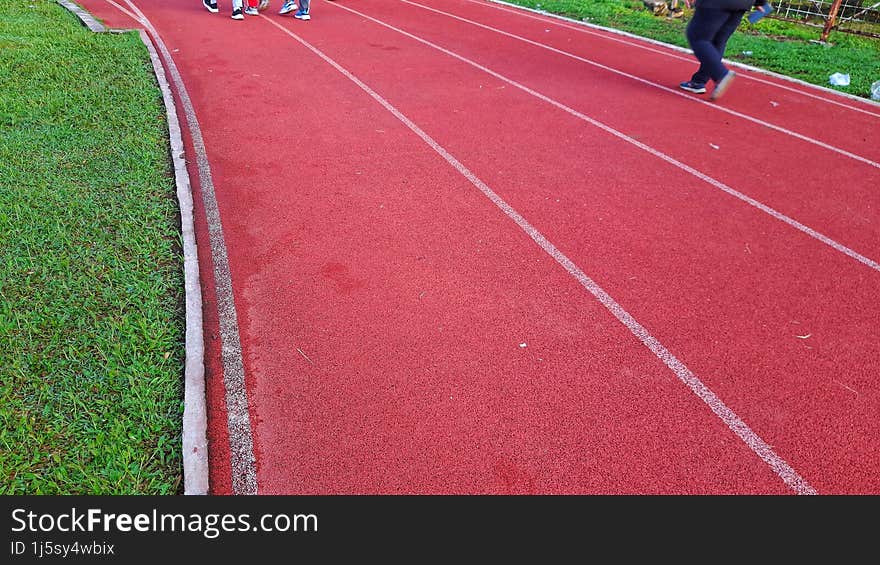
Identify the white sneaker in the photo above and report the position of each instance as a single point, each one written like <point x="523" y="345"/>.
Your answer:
<point x="251" y="11"/>
<point x="287" y="7"/>
<point x="237" y="15"/>
<point x="263" y="5"/>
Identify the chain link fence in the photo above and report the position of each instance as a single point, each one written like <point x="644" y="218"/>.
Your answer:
<point x="850" y="16"/>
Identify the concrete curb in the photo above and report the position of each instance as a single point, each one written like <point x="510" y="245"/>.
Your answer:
<point x="86" y="18"/>
<point x="683" y="50"/>
<point x="195" y="419"/>
<point x="195" y="422"/>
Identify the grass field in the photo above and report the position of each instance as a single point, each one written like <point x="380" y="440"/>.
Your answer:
<point x="783" y="47"/>
<point x="91" y="304"/>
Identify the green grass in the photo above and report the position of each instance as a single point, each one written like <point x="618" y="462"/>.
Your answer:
<point x="777" y="46"/>
<point x="91" y="302"/>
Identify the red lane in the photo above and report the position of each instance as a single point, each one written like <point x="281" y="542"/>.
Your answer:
<point x="383" y="354"/>
<point x="427" y="354"/>
<point x="833" y="193"/>
<point x="854" y="131"/>
<point x="729" y="287"/>
<point x="402" y="335"/>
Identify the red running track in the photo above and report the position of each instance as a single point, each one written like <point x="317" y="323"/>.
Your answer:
<point x="473" y="249"/>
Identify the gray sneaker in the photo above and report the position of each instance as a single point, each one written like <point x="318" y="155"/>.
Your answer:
<point x="287" y="7"/>
<point x="723" y="85"/>
<point x="251" y="11"/>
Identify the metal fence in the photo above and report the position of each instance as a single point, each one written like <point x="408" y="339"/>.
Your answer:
<point x="850" y="16"/>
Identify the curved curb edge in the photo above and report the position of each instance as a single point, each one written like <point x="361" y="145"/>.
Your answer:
<point x="195" y="420"/>
<point x="86" y="18"/>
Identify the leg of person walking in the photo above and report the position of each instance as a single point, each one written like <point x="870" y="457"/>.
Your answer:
<point x="708" y="33"/>
<point x="236" y="10"/>
<point x="702" y="35"/>
<point x="303" y="12"/>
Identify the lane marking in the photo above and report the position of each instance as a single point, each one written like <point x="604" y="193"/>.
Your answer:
<point x="782" y="469"/>
<point x="575" y="25"/>
<point x="125" y="11"/>
<point x="620" y="135"/>
<point x="676" y="92"/>
<point x="244" y="475"/>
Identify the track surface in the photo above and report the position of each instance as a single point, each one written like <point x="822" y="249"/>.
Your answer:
<point x="667" y="295"/>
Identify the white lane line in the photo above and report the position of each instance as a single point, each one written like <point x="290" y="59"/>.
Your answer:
<point x="676" y="92"/>
<point x="244" y="475"/>
<point x="728" y="416"/>
<point x="620" y="135"/>
<point x="639" y="43"/>
<point x="125" y="11"/>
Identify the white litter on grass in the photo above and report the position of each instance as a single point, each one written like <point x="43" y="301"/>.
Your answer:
<point x="875" y="90"/>
<point x="839" y="79"/>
